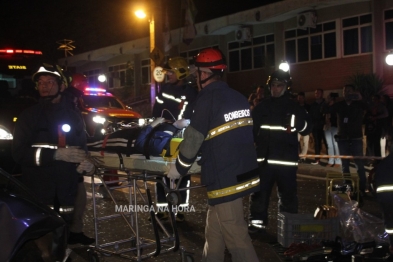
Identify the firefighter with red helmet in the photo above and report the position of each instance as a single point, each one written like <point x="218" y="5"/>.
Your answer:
<point x="50" y="143"/>
<point x="277" y="122"/>
<point x="221" y="131"/>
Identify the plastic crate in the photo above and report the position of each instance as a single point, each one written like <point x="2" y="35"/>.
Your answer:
<point x="298" y="228"/>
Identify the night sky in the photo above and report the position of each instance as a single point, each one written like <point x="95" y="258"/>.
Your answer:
<point x="92" y="24"/>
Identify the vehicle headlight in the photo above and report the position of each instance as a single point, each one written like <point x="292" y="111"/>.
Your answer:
<point x="5" y="134"/>
<point x="99" y="119"/>
<point x="141" y="121"/>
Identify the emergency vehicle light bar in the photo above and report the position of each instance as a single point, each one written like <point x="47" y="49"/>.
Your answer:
<point x="95" y="89"/>
<point x="20" y="51"/>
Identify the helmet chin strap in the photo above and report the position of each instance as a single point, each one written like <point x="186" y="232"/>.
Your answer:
<point x="52" y="97"/>
<point x="201" y="82"/>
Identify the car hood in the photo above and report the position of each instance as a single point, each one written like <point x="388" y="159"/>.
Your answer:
<point x="22" y="216"/>
<point x="115" y="112"/>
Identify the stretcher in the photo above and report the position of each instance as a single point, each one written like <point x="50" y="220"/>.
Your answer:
<point x="132" y="176"/>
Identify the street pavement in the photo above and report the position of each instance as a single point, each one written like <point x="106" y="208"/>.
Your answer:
<point x="311" y="192"/>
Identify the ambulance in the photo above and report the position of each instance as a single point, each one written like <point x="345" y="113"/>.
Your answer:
<point x="103" y="112"/>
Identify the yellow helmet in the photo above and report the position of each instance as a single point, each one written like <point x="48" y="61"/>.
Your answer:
<point x="179" y="66"/>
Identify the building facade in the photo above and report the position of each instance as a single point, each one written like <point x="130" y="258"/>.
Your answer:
<point x="325" y="42"/>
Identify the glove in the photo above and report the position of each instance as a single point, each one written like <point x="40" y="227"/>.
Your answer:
<point x="157" y="121"/>
<point x="173" y="173"/>
<point x="71" y="154"/>
<point x="86" y="166"/>
<point x="181" y="123"/>
<point x="96" y="161"/>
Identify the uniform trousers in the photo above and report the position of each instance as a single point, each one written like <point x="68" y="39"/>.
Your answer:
<point x="79" y="209"/>
<point x="270" y="174"/>
<point x="226" y="227"/>
<point x="385" y="201"/>
<point x="353" y="147"/>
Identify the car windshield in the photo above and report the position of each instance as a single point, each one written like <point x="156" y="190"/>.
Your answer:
<point x="101" y="101"/>
<point x="9" y="183"/>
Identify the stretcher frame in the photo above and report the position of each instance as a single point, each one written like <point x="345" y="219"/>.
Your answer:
<point x="128" y="180"/>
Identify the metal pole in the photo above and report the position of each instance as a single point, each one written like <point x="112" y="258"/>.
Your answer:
<point x="152" y="64"/>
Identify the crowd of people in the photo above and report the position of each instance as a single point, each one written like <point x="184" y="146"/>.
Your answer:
<point x="376" y="124"/>
<point x="246" y="146"/>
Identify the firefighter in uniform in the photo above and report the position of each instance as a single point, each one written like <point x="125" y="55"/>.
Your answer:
<point x="277" y="122"/>
<point x="176" y="97"/>
<point x="221" y="130"/>
<point x="50" y="143"/>
<point x="383" y="180"/>
<point x="174" y="102"/>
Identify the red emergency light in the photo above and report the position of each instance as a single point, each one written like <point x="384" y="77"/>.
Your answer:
<point x="20" y="51"/>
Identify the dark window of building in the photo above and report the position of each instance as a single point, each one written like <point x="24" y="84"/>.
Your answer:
<point x="302" y="49"/>
<point x="330" y="45"/>
<point x="290" y="51"/>
<point x="259" y="57"/>
<point x="250" y="54"/>
<point x="351" y="42"/>
<point x="310" y="44"/>
<point x="246" y="58"/>
<point x="357" y="35"/>
<point x="234" y="61"/>
<point x="389" y="29"/>
<point x="316" y="47"/>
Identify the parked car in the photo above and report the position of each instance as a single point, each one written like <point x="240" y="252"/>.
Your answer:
<point x="30" y="230"/>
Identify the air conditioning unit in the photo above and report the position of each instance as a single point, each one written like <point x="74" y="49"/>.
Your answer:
<point x="243" y="34"/>
<point x="307" y="19"/>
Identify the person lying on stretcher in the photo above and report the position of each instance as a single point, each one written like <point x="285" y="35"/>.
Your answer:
<point x="158" y="138"/>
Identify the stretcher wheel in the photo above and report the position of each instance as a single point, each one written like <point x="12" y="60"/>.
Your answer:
<point x="133" y="244"/>
<point x="187" y="258"/>
<point x="174" y="198"/>
<point x="92" y="256"/>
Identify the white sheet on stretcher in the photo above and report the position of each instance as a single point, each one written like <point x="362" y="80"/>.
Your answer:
<point x="138" y="161"/>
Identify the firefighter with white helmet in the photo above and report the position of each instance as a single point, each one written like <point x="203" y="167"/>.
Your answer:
<point x="221" y="130"/>
<point x="50" y="143"/>
<point x="277" y="122"/>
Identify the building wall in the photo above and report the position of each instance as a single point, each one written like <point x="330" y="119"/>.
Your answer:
<point x="328" y="74"/>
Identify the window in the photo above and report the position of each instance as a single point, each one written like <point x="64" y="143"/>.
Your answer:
<point x="145" y="66"/>
<point x="92" y="77"/>
<point x="251" y="55"/>
<point x="117" y="75"/>
<point x="357" y="35"/>
<point x="389" y="29"/>
<point x="302" y="45"/>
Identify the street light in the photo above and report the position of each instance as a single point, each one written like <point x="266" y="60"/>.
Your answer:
<point x="153" y="44"/>
<point x="103" y="79"/>
<point x="389" y="58"/>
<point x="284" y="66"/>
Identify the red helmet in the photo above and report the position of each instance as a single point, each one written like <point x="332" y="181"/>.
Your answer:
<point x="211" y="58"/>
<point x="79" y="81"/>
